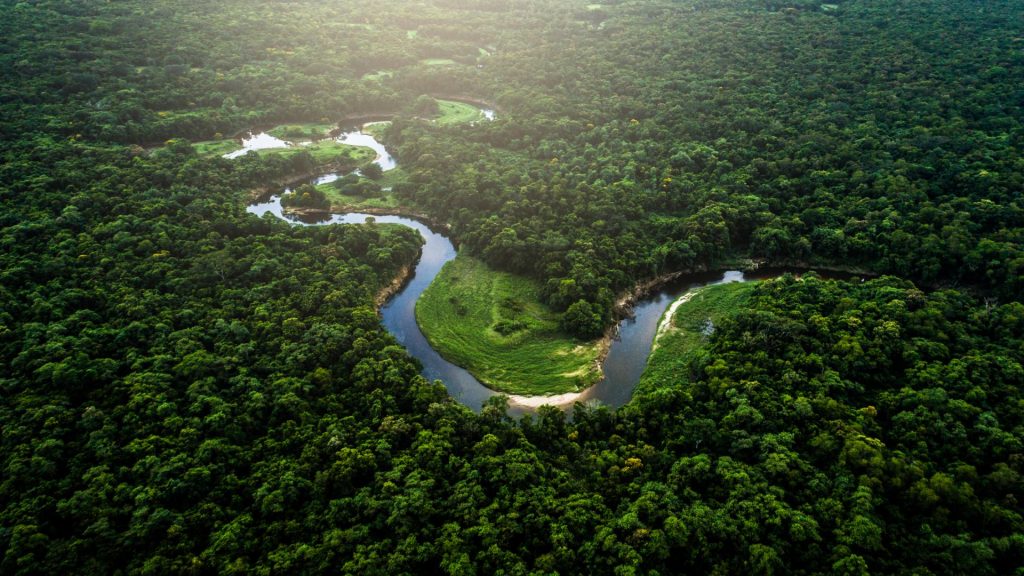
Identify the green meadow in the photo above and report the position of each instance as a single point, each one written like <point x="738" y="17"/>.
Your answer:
<point x="452" y="112"/>
<point x="493" y="324"/>
<point x="688" y="331"/>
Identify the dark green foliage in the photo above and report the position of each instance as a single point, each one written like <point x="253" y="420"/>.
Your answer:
<point x="425" y="107"/>
<point x="581" y="319"/>
<point x="185" y="388"/>
<point x="306" y="196"/>
<point x="858" y="414"/>
<point x="353" y="185"/>
<point x="372" y="171"/>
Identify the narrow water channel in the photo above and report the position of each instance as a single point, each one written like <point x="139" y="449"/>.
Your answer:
<point x="626" y="359"/>
<point x="627" y="356"/>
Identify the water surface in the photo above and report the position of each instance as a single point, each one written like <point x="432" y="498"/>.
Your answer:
<point x="627" y="356"/>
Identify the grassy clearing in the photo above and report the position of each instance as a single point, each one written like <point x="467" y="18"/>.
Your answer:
<point x="378" y="75"/>
<point x="385" y="200"/>
<point x="410" y="34"/>
<point x="290" y="132"/>
<point x="457" y="113"/>
<point x="392" y="177"/>
<point x="437" y="62"/>
<point x="354" y="203"/>
<point x="327" y="151"/>
<point x="216" y="147"/>
<point x="677" y="346"/>
<point x="323" y="151"/>
<point x="293" y="132"/>
<point x="493" y="324"/>
<point x="377" y="129"/>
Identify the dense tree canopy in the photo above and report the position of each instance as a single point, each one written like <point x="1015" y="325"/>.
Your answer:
<point x="186" y="388"/>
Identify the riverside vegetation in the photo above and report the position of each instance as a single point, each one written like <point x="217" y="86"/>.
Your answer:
<point x="188" y="389"/>
<point x="494" y="325"/>
<point x="686" y="329"/>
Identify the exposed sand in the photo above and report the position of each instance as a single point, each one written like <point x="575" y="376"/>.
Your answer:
<point x="666" y="319"/>
<point x="538" y="401"/>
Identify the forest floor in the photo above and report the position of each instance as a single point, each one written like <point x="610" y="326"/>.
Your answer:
<point x="685" y="328"/>
<point x="494" y="325"/>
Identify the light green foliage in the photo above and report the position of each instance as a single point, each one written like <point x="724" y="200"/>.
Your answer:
<point x="385" y="199"/>
<point x="300" y="132"/>
<point x="326" y="151"/>
<point x="377" y="129"/>
<point x="688" y="332"/>
<point x="344" y="202"/>
<point x="378" y="75"/>
<point x="451" y="112"/>
<point x="306" y="196"/>
<point x="216" y="147"/>
<point x="494" y="325"/>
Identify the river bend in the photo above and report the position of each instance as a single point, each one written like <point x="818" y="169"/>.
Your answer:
<point x="627" y="356"/>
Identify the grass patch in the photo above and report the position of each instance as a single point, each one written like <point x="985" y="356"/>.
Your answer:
<point x="293" y="132"/>
<point x="394" y="176"/>
<point x="691" y="325"/>
<point x="377" y="129"/>
<point x="437" y="62"/>
<point x="327" y="151"/>
<point x="494" y="325"/>
<point x="216" y="147"/>
<point x="457" y="113"/>
<point x="323" y="151"/>
<point x="354" y="203"/>
<point x="378" y="75"/>
<point x="386" y="199"/>
<point x="410" y="34"/>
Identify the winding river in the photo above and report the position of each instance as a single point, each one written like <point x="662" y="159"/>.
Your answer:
<point x="627" y="356"/>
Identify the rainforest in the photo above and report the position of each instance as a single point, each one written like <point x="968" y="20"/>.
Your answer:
<point x="478" y="287"/>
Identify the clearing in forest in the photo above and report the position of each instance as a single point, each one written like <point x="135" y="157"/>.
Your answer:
<point x="494" y="325"/>
<point x="685" y="329"/>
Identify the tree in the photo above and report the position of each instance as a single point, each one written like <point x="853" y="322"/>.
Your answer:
<point x="425" y="106"/>
<point x="582" y="321"/>
<point x="372" y="170"/>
